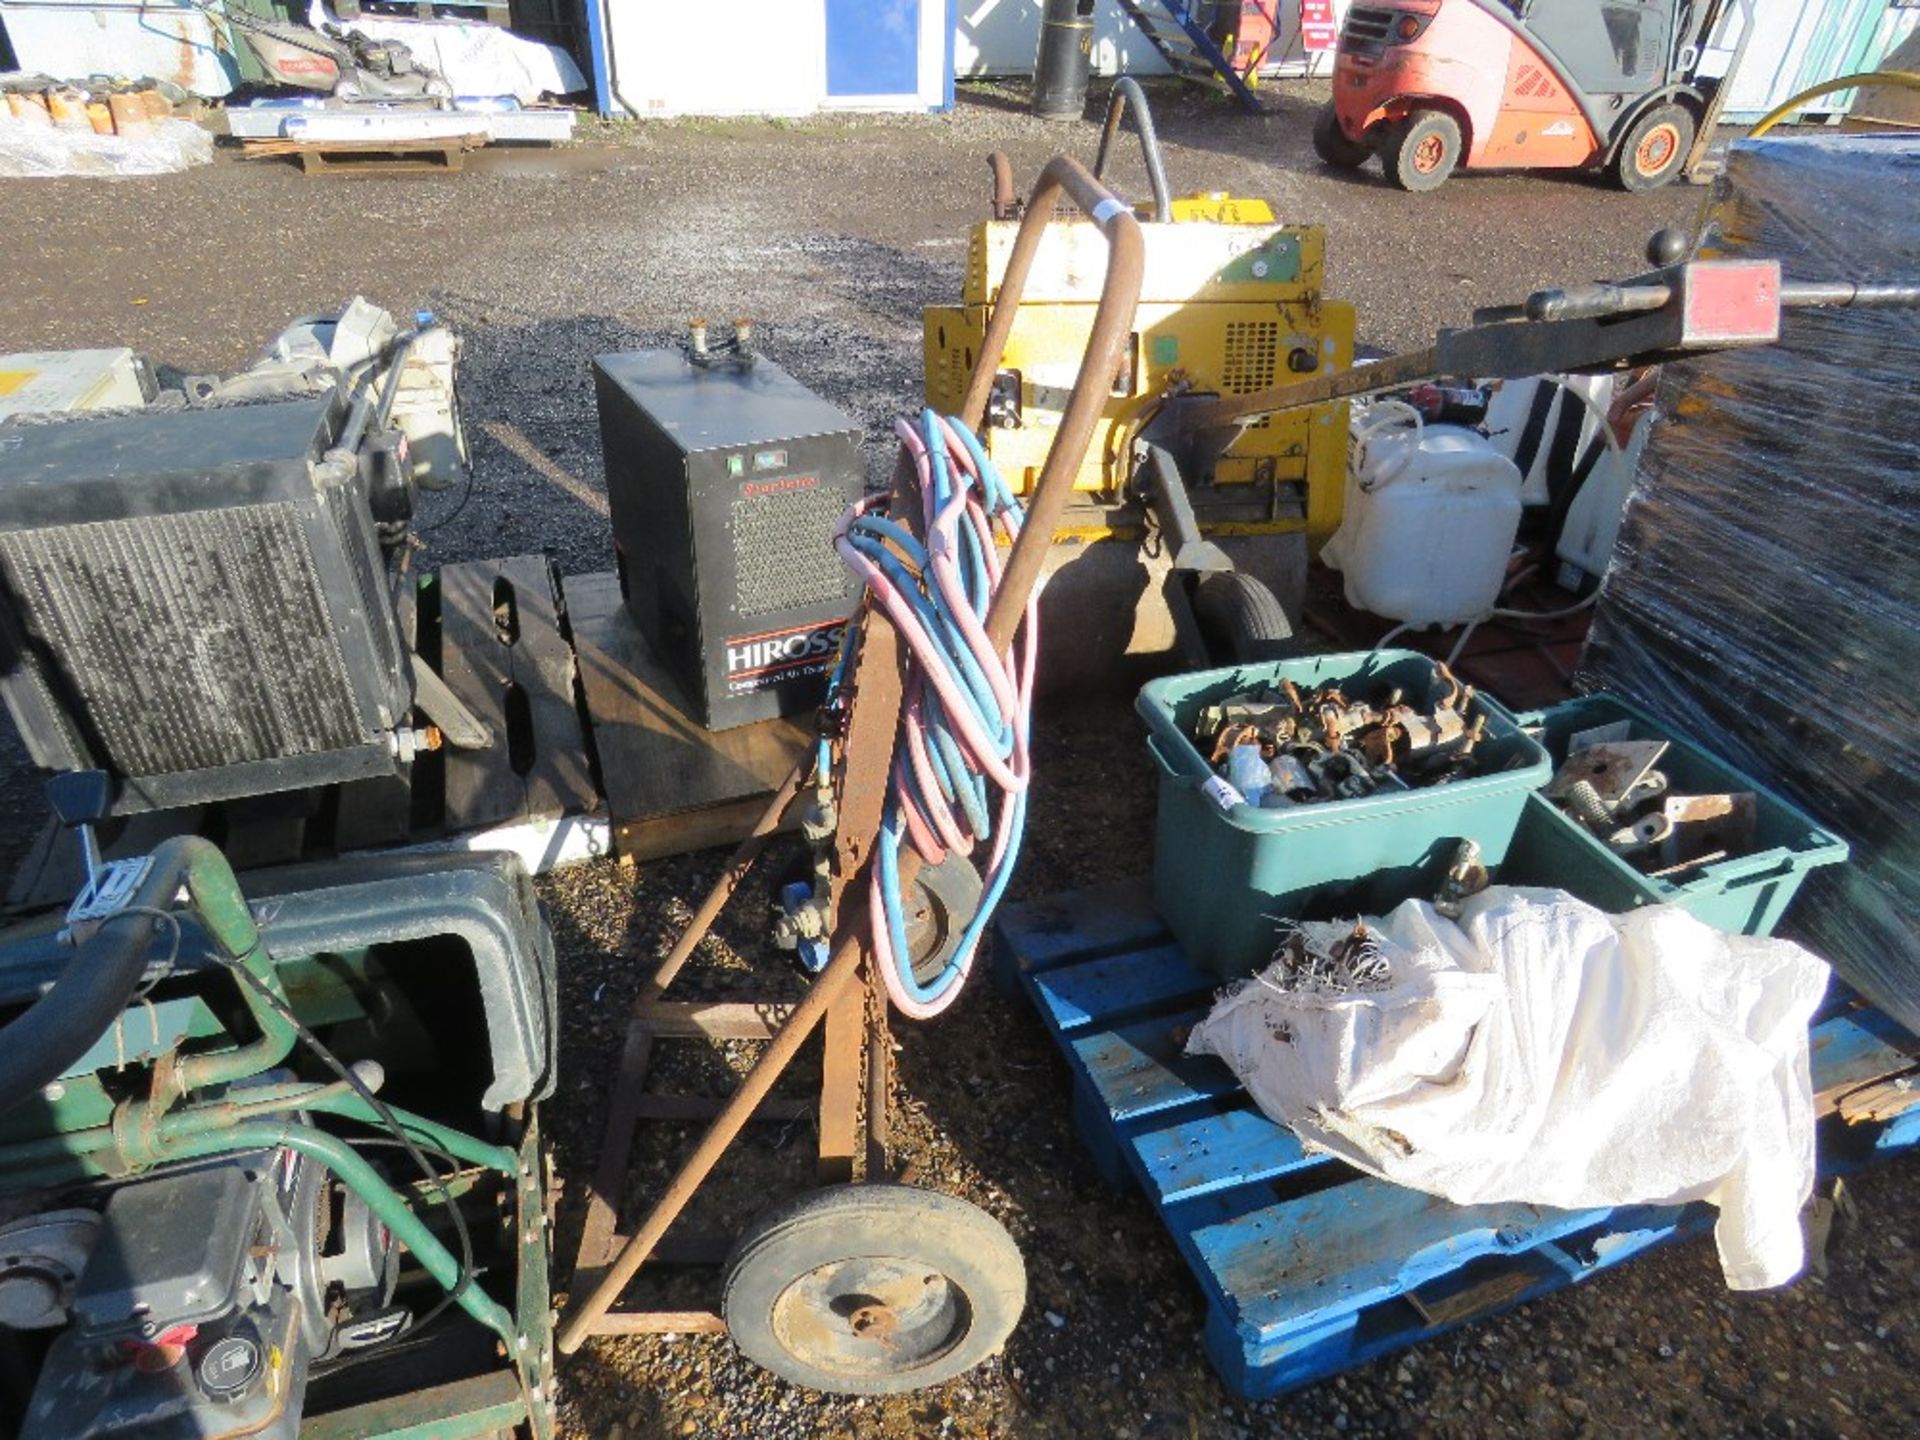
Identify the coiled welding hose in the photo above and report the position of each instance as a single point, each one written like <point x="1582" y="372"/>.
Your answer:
<point x="964" y="710"/>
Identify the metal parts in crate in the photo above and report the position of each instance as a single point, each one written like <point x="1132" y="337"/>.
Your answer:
<point x="725" y="477"/>
<point x="1614" y="788"/>
<point x="1280" y="745"/>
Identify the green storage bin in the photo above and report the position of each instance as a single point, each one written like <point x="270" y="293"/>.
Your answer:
<point x="1744" y="895"/>
<point x="1220" y="877"/>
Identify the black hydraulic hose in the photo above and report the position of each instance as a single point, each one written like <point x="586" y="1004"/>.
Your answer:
<point x="354" y="431"/>
<point x="396" y="371"/>
<point x="95" y="987"/>
<point x="1127" y="91"/>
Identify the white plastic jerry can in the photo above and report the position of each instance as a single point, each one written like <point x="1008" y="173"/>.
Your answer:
<point x="1430" y="519"/>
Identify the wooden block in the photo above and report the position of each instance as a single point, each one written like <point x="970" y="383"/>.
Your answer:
<point x="1120" y="988"/>
<point x="557" y="777"/>
<point x="1291" y="1265"/>
<point x="1139" y="1070"/>
<point x="1219" y="1152"/>
<point x="1854" y="1051"/>
<point x="672" y="785"/>
<point x="482" y="788"/>
<point x="342" y="157"/>
<point x="1081" y="925"/>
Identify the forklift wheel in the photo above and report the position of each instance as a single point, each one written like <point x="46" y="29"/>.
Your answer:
<point x="1419" y="152"/>
<point x="1241" y="620"/>
<point x="873" y="1289"/>
<point x="1655" y="149"/>
<point x="1331" y="144"/>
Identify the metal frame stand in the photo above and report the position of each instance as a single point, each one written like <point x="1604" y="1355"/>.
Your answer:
<point x="846" y="997"/>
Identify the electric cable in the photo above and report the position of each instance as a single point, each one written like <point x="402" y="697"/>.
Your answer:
<point x="965" y="710"/>
<point x="387" y="1118"/>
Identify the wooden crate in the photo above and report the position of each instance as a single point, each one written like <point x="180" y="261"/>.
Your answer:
<point x="1309" y="1267"/>
<point x="672" y="785"/>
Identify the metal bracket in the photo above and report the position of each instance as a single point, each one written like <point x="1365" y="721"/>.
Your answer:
<point x="462" y="728"/>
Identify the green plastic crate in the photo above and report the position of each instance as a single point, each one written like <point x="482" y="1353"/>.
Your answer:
<point x="1744" y="895"/>
<point x="1220" y="877"/>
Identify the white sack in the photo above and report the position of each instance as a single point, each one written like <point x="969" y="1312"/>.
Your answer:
<point x="476" y="60"/>
<point x="1542" y="1052"/>
<point x="51" y="150"/>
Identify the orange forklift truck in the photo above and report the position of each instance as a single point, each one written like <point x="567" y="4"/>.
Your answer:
<point x="1433" y="85"/>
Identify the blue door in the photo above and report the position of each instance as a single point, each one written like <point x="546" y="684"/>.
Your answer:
<point x="873" y="47"/>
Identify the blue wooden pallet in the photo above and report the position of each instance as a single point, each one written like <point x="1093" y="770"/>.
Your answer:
<point x="1309" y="1267"/>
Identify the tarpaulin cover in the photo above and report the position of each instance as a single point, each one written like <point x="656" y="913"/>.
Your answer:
<point x="1765" y="591"/>
<point x="28" y="151"/>
<point x="1539" y="1051"/>
<point x="474" y="59"/>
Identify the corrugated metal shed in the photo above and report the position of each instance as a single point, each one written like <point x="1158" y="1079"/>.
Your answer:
<point x="1800" y="43"/>
<point x="163" y="39"/>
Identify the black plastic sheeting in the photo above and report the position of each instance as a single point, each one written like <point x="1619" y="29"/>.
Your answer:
<point x="1765" y="592"/>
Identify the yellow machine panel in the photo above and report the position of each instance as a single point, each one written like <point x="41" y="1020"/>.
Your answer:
<point x="1226" y="307"/>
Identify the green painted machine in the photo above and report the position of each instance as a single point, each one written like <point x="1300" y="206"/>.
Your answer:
<point x="269" y="1157"/>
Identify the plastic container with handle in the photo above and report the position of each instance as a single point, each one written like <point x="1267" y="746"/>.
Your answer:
<point x="1225" y="872"/>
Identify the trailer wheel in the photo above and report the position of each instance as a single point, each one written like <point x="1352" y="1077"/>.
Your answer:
<point x="1421" y="151"/>
<point x="873" y="1289"/>
<point x="1331" y="144"/>
<point x="1655" y="149"/>
<point x="1241" y="620"/>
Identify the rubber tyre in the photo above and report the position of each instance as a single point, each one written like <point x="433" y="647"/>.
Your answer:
<point x="1331" y="144"/>
<point x="953" y="1240"/>
<point x="1654" y="150"/>
<point x="1421" y="151"/>
<point x="1241" y="620"/>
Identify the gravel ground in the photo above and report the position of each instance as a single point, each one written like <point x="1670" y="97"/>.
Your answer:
<point x="833" y="234"/>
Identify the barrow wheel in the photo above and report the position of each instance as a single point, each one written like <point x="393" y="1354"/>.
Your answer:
<point x="1420" y="152"/>
<point x="1331" y="144"/>
<point x="873" y="1289"/>
<point x="1241" y="621"/>
<point x="1654" y="150"/>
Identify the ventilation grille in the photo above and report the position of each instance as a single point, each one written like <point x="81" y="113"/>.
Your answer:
<point x="1533" y="83"/>
<point x="1252" y="354"/>
<point x="1367" y="27"/>
<point x="783" y="555"/>
<point x="191" y="641"/>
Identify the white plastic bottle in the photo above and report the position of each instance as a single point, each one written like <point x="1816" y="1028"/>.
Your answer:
<point x="1431" y="515"/>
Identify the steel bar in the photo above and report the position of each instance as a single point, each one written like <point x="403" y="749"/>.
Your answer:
<point x="1816" y="294"/>
<point x="584" y="1315"/>
<point x="598" y="1234"/>
<point x="879" y="1083"/>
<point x="730" y="880"/>
<point x="840" y="1084"/>
<point x="714" y="1019"/>
<point x="1371" y="379"/>
<point x="664" y="1322"/>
